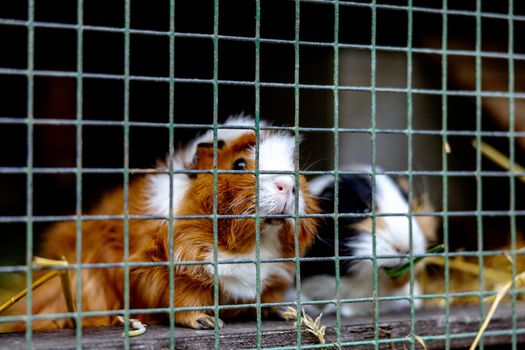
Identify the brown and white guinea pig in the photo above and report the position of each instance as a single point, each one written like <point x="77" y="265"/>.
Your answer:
<point x="103" y="240"/>
<point x="355" y="240"/>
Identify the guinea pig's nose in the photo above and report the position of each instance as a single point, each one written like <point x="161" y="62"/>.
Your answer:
<point x="285" y="187"/>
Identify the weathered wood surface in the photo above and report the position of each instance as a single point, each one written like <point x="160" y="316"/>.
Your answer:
<point x="242" y="335"/>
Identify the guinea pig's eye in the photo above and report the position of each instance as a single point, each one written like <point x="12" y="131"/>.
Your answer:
<point x="240" y="164"/>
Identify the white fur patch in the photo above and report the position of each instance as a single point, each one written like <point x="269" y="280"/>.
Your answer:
<point x="239" y="280"/>
<point x="276" y="153"/>
<point x="318" y="184"/>
<point x="159" y="191"/>
<point x="390" y="200"/>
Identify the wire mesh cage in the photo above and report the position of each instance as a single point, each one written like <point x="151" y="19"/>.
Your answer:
<point x="356" y="96"/>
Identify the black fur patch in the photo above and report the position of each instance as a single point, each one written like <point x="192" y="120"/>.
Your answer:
<point x="354" y="197"/>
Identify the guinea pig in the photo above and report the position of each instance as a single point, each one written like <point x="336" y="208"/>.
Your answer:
<point x="193" y="239"/>
<point x="355" y="240"/>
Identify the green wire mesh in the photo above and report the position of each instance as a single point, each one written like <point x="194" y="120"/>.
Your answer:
<point x="29" y="219"/>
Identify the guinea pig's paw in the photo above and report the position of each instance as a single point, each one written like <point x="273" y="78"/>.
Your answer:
<point x="207" y="322"/>
<point x="197" y="320"/>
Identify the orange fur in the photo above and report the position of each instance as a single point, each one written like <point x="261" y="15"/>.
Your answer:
<point x="103" y="242"/>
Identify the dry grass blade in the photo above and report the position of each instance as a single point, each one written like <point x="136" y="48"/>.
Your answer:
<point x="447" y="148"/>
<point x="38" y="283"/>
<point x="501" y="294"/>
<point x="43" y="262"/>
<point x="421" y="341"/>
<point x="499" y="158"/>
<point x="310" y="325"/>
<point x="64" y="276"/>
<point x="64" y="280"/>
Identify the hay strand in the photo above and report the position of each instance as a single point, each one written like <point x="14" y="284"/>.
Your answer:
<point x="64" y="277"/>
<point x="310" y="325"/>
<point x="499" y="297"/>
<point x="499" y="158"/>
<point x="39" y="282"/>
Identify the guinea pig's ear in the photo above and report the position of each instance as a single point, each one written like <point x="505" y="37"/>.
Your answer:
<point x="203" y="158"/>
<point x="208" y="145"/>
<point x="243" y="143"/>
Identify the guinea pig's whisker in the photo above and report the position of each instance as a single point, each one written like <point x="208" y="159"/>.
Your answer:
<point x="308" y="165"/>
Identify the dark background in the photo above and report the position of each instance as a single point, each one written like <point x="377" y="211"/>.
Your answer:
<point x="103" y="99"/>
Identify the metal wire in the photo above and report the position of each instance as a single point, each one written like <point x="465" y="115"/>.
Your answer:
<point x="215" y="191"/>
<point x="29" y="165"/>
<point x="171" y="153"/>
<point x="420" y="91"/>
<point x="257" y="85"/>
<point x="78" y="173"/>
<point x="410" y="156"/>
<point x="479" y="183"/>
<point x="127" y="63"/>
<point x="50" y="316"/>
<point x="512" y="182"/>
<point x="297" y="95"/>
<point x="336" y="173"/>
<point x="423" y="50"/>
<point x="444" y="164"/>
<point x="486" y="253"/>
<point x="373" y="141"/>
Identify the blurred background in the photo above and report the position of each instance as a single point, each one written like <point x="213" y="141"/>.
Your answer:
<point x="103" y="96"/>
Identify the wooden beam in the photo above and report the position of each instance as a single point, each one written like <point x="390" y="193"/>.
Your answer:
<point x="242" y="335"/>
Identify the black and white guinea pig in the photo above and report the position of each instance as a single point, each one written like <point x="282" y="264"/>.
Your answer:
<point x="355" y="240"/>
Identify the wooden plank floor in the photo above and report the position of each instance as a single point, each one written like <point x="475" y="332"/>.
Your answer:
<point x="242" y="335"/>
